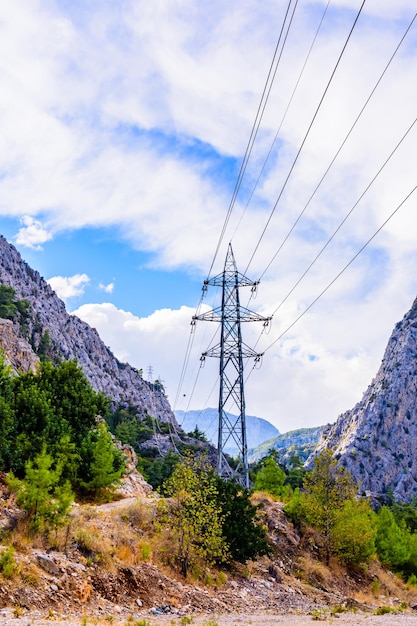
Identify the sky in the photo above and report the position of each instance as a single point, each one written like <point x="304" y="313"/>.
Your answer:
<point x="123" y="128"/>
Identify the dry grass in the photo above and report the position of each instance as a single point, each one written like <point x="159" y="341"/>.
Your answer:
<point x="108" y="537"/>
<point x="260" y="497"/>
<point x="139" y="515"/>
<point x="31" y="574"/>
<point x="22" y="538"/>
<point x="314" y="572"/>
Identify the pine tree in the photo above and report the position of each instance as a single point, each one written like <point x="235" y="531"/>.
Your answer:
<point x="106" y="464"/>
<point x="270" y="478"/>
<point x="391" y="540"/>
<point x="41" y="493"/>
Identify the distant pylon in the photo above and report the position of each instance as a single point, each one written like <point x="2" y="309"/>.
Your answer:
<point x="150" y="373"/>
<point x="231" y="351"/>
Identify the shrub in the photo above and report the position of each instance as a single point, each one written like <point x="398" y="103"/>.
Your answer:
<point x="8" y="566"/>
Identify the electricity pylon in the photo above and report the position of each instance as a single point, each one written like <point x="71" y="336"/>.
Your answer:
<point x="231" y="351"/>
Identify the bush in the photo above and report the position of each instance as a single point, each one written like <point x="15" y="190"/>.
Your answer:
<point x="8" y="566"/>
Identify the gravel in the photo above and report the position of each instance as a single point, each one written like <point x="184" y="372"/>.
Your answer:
<point x="257" y="619"/>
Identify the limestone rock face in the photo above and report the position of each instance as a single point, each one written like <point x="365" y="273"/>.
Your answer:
<point x="17" y="351"/>
<point x="71" y="338"/>
<point x="376" y="441"/>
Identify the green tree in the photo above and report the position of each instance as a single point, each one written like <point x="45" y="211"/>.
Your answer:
<point x="190" y="515"/>
<point x="8" y="309"/>
<point x="42" y="494"/>
<point x="327" y="488"/>
<point x="296" y="473"/>
<point x="294" y="509"/>
<point x="7" y="417"/>
<point x="244" y="534"/>
<point x="106" y="464"/>
<point x="270" y="478"/>
<point x="392" y="540"/>
<point x="56" y="407"/>
<point x="353" y="534"/>
<point x="158" y="472"/>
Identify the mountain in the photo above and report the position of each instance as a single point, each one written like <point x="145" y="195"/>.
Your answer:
<point x="301" y="442"/>
<point x="206" y="420"/>
<point x="49" y="330"/>
<point x="376" y="440"/>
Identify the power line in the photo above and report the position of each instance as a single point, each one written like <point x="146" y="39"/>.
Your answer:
<point x="346" y="216"/>
<point x="306" y="135"/>
<point x="341" y="271"/>
<point x="340" y="148"/>
<point x="282" y="119"/>
<point x="255" y="127"/>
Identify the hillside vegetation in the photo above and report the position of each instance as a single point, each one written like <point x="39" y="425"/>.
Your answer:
<point x="300" y="541"/>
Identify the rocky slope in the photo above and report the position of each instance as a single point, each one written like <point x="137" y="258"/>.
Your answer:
<point x="376" y="440"/>
<point x="66" y="337"/>
<point x="97" y="569"/>
<point x="301" y="442"/>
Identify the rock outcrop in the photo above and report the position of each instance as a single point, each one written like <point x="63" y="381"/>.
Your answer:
<point x="376" y="440"/>
<point x="67" y="337"/>
<point x="17" y="351"/>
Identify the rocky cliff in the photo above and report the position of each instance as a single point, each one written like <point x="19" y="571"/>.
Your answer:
<point x="65" y="337"/>
<point x="376" y="440"/>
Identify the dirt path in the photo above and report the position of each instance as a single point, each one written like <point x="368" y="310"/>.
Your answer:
<point x="346" y="619"/>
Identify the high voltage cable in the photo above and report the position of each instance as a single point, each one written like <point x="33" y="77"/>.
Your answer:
<point x="283" y="118"/>
<point x="187" y="354"/>
<point x="253" y="134"/>
<point x="341" y="223"/>
<point x="346" y="216"/>
<point x="306" y="135"/>
<point x="342" y="270"/>
<point x="340" y="148"/>
<point x="196" y="378"/>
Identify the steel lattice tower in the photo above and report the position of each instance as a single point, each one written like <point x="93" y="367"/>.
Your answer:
<point x="231" y="351"/>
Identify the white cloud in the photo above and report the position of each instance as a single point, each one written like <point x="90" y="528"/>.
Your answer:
<point x="305" y="380"/>
<point x="69" y="286"/>
<point x="137" y="117"/>
<point x="32" y="234"/>
<point x="107" y="288"/>
<point x="158" y="340"/>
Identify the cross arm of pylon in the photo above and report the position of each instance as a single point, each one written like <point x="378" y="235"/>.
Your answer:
<point x="229" y="351"/>
<point x="214" y="315"/>
<point x="246" y="315"/>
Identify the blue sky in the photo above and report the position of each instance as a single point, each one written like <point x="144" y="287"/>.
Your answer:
<point x="123" y="126"/>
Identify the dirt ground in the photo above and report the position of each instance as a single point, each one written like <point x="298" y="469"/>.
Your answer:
<point x="348" y="619"/>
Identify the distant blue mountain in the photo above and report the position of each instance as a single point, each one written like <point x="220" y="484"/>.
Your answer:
<point x="258" y="430"/>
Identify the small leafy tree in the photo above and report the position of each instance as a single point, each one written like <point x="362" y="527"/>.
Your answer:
<point x="8" y="565"/>
<point x="327" y="488"/>
<point x="244" y="534"/>
<point x="41" y="493"/>
<point x="270" y="478"/>
<point x="353" y="536"/>
<point x="190" y="515"/>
